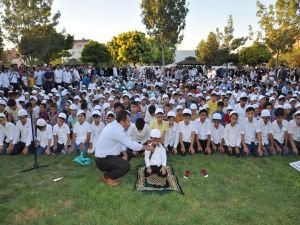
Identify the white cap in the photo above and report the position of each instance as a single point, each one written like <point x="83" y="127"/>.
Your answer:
<point x="187" y="111"/>
<point x="261" y="97"/>
<point x="253" y="98"/>
<point x="96" y="112"/>
<point x="62" y="115"/>
<point x="292" y="99"/>
<point x="152" y="98"/>
<point x="165" y="96"/>
<point x="105" y="106"/>
<point x="22" y="112"/>
<point x="155" y="133"/>
<point x="21" y="99"/>
<point x="34" y="92"/>
<point x="2" y="102"/>
<point x="41" y="122"/>
<point x="193" y="106"/>
<point x="217" y="116"/>
<point x="243" y="95"/>
<point x="179" y="107"/>
<point x="296" y="113"/>
<point x="80" y="112"/>
<point x="265" y="113"/>
<point x="271" y="99"/>
<point x="97" y="107"/>
<point x="233" y="112"/>
<point x="110" y="99"/>
<point x="281" y="96"/>
<point x="73" y="107"/>
<point x="287" y="106"/>
<point x="172" y="101"/>
<point x="33" y="97"/>
<point x="110" y="113"/>
<point x="159" y="110"/>
<point x="229" y="108"/>
<point x="171" y="114"/>
<point x="77" y="97"/>
<point x="2" y="115"/>
<point x="250" y="107"/>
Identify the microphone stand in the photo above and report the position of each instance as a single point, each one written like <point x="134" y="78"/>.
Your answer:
<point x="36" y="165"/>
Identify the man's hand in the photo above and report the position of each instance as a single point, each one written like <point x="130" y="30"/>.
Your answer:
<point x="192" y="150"/>
<point x="163" y="170"/>
<point x="149" y="170"/>
<point x="260" y="151"/>
<point x="25" y="150"/>
<point x="48" y="151"/>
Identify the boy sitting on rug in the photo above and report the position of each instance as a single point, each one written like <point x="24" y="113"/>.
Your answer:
<point x="156" y="160"/>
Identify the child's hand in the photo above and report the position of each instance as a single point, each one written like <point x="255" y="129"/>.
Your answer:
<point x="149" y="170"/>
<point x="163" y="170"/>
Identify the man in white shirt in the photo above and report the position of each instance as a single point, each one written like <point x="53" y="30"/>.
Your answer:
<point x="61" y="133"/>
<point x="203" y="126"/>
<point x="217" y="133"/>
<point x="156" y="160"/>
<point x="113" y="142"/>
<point x="25" y="129"/>
<point x="294" y="134"/>
<point x="232" y="135"/>
<point x="81" y="133"/>
<point x="187" y="132"/>
<point x="266" y="133"/>
<point x="280" y="132"/>
<point x="251" y="134"/>
<point x="58" y="76"/>
<point x="44" y="137"/>
<point x="8" y="135"/>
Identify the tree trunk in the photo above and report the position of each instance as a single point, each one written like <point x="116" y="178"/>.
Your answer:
<point x="277" y="58"/>
<point x="163" y="59"/>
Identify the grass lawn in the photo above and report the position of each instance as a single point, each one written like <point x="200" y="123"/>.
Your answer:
<point x="237" y="191"/>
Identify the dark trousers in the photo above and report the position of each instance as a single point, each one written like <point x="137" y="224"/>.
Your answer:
<point x="253" y="149"/>
<point x="155" y="170"/>
<point x="233" y="152"/>
<point x="113" y="166"/>
<point x="20" y="146"/>
<point x="186" y="146"/>
<point x="203" y="144"/>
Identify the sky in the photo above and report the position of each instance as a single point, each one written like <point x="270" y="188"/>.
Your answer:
<point x="100" y="20"/>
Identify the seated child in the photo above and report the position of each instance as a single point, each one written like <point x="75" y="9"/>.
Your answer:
<point x="156" y="160"/>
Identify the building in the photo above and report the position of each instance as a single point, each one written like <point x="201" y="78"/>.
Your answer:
<point x="182" y="54"/>
<point x="77" y="48"/>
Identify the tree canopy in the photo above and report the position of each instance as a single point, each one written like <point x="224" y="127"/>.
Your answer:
<point x="255" y="54"/>
<point x="95" y="52"/>
<point x="281" y="25"/>
<point x="165" y="20"/>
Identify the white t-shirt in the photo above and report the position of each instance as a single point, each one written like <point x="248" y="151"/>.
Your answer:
<point x="217" y="134"/>
<point x="202" y="129"/>
<point x="61" y="133"/>
<point x="249" y="130"/>
<point x="186" y="131"/>
<point x="81" y="131"/>
<point x="139" y="136"/>
<point x="44" y="136"/>
<point x="266" y="129"/>
<point x="277" y="132"/>
<point x="294" y="130"/>
<point x="232" y="135"/>
<point x="96" y="131"/>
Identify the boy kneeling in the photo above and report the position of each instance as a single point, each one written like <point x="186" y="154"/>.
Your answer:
<point x="156" y="160"/>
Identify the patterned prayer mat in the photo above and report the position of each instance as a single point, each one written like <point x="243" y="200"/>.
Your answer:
<point x="155" y="183"/>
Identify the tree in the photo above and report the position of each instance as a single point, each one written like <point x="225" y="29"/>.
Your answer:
<point x="19" y="17"/>
<point x="228" y="44"/>
<point x="207" y="51"/>
<point x="129" y="47"/>
<point x="44" y="43"/>
<point x="292" y="58"/>
<point x="95" y="52"/>
<point x="281" y="24"/>
<point x="256" y="54"/>
<point x="165" y="20"/>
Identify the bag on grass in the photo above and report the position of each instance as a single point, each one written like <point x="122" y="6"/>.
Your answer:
<point x="84" y="161"/>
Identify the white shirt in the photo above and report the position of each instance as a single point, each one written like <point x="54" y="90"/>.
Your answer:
<point x="241" y="112"/>
<point x="38" y="75"/>
<point x="250" y="130"/>
<point x="67" y="77"/>
<point x="139" y="136"/>
<point x="294" y="130"/>
<point x="44" y="136"/>
<point x="158" y="157"/>
<point x="96" y="131"/>
<point x="186" y="130"/>
<point x="9" y="133"/>
<point x="277" y="132"/>
<point x="202" y="129"/>
<point x="232" y="135"/>
<point x="172" y="136"/>
<point x="75" y="75"/>
<point x="13" y="77"/>
<point x="113" y="140"/>
<point x="61" y="133"/>
<point x="25" y="131"/>
<point x="4" y="81"/>
<point x="217" y="134"/>
<point x="58" y="75"/>
<point x="266" y="129"/>
<point x="81" y="131"/>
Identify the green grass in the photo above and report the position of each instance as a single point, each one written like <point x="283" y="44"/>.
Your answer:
<point x="237" y="191"/>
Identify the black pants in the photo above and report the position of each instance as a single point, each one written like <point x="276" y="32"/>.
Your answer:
<point x="203" y="144"/>
<point x="186" y="146"/>
<point x="113" y="166"/>
<point x="155" y="170"/>
<point x="18" y="148"/>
